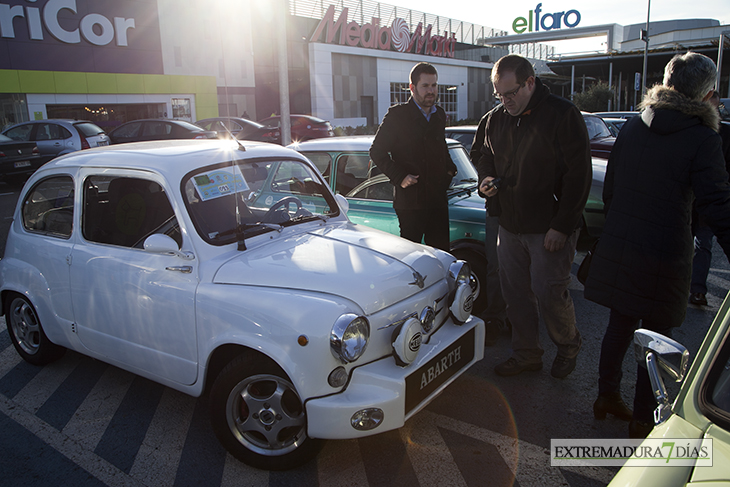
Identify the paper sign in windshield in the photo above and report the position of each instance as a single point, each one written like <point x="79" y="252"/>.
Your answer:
<point x="220" y="182"/>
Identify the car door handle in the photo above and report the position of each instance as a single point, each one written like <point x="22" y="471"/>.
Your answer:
<point x="185" y="269"/>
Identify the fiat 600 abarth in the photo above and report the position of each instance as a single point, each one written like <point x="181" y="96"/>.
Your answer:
<point x="214" y="267"/>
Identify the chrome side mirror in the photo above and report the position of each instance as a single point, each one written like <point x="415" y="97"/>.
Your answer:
<point x="664" y="359"/>
<point x="159" y="243"/>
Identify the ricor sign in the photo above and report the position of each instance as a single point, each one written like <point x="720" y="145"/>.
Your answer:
<point x="535" y="21"/>
<point x="95" y="28"/>
<point x="396" y="37"/>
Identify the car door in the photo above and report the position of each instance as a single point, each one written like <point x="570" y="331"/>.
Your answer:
<point x="134" y="307"/>
<point x="128" y="132"/>
<point x="157" y="130"/>
<point x="52" y="139"/>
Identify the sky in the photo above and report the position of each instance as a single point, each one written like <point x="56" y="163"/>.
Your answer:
<point x="500" y="14"/>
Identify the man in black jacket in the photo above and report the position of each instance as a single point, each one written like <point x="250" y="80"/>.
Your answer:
<point x="537" y="145"/>
<point x="410" y="148"/>
<point x="661" y="162"/>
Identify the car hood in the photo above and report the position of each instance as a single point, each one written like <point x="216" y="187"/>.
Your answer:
<point x="371" y="268"/>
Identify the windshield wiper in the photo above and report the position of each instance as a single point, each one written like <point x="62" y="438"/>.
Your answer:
<point x="240" y="229"/>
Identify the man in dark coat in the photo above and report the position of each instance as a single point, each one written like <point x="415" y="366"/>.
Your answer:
<point x="702" y="233"/>
<point x="410" y="148"/>
<point x="537" y="144"/>
<point x="641" y="269"/>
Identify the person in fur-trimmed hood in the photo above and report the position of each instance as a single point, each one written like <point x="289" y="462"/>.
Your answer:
<point x="662" y="160"/>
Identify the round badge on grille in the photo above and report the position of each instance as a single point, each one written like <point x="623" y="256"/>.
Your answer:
<point x="407" y="342"/>
<point x="462" y="305"/>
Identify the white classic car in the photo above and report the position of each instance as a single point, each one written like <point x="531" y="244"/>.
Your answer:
<point x="212" y="267"/>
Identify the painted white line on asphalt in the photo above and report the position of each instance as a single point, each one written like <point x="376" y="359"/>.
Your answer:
<point x="88" y="424"/>
<point x="95" y="465"/>
<point x="158" y="457"/>
<point x="430" y="456"/>
<point x="44" y="384"/>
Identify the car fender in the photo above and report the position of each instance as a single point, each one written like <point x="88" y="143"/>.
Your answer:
<point x="28" y="281"/>
<point x="258" y="319"/>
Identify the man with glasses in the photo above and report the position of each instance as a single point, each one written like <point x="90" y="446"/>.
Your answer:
<point x="535" y="170"/>
<point x="410" y="148"/>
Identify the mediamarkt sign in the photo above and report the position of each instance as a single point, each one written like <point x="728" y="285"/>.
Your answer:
<point x="397" y="37"/>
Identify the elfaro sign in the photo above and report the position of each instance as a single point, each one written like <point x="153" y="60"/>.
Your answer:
<point x="535" y="21"/>
<point x="397" y="37"/>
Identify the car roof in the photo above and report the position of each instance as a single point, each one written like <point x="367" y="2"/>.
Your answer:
<point x="360" y="143"/>
<point x="53" y="120"/>
<point x="168" y="157"/>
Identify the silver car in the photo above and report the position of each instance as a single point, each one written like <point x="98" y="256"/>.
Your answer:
<point x="55" y="137"/>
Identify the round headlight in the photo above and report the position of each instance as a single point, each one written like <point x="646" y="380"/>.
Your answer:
<point x="349" y="337"/>
<point x="460" y="272"/>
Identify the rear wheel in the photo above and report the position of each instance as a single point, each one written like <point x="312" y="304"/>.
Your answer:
<point x="27" y="334"/>
<point x="259" y="418"/>
<point x="478" y="265"/>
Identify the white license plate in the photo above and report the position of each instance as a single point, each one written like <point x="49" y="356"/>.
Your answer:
<point x="21" y="164"/>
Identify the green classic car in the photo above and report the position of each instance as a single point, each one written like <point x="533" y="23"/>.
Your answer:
<point x="345" y="164"/>
<point x="699" y="415"/>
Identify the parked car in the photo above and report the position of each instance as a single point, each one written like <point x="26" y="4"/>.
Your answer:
<point x="462" y="133"/>
<point x="624" y="115"/>
<point x="346" y="166"/>
<point x="202" y="266"/>
<point x="240" y="128"/>
<point x="614" y="125"/>
<point x="158" y="129"/>
<point x="56" y="137"/>
<point x="700" y="411"/>
<point x="600" y="135"/>
<point x="18" y="159"/>
<point x="303" y="127"/>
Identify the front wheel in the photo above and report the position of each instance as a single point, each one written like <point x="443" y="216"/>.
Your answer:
<point x="27" y="334"/>
<point x="259" y="418"/>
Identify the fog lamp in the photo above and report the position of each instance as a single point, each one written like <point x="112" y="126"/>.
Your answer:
<point x="337" y="377"/>
<point x="461" y="308"/>
<point x="367" y="419"/>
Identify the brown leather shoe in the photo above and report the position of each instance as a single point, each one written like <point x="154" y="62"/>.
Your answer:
<point x="512" y="367"/>
<point x="613" y="404"/>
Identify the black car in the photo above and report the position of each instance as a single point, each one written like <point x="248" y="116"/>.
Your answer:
<point x="241" y="128"/>
<point x="303" y="127"/>
<point x="18" y="160"/>
<point x="158" y="129"/>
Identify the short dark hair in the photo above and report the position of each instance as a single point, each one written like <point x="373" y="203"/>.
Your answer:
<point x="513" y="63"/>
<point x="419" y="69"/>
<point x="692" y="74"/>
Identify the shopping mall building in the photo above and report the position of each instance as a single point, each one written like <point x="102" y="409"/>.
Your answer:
<point x="346" y="61"/>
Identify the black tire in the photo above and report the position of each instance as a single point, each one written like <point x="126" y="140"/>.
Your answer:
<point x="478" y="265"/>
<point x="259" y="418"/>
<point x="26" y="332"/>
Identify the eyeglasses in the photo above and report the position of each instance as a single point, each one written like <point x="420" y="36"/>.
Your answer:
<point x="510" y="94"/>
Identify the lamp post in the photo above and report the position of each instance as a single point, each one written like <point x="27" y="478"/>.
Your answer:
<point x="645" y="37"/>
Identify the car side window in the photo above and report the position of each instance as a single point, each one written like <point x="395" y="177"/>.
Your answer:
<point x="323" y="162"/>
<point x="20" y="133"/>
<point x="124" y="211"/>
<point x="128" y="130"/>
<point x="352" y="169"/>
<point x="157" y="128"/>
<point x="49" y="207"/>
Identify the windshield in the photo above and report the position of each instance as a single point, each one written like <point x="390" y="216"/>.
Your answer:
<point x="241" y="199"/>
<point x="467" y="173"/>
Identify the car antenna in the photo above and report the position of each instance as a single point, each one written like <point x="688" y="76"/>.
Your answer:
<point x="230" y="134"/>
